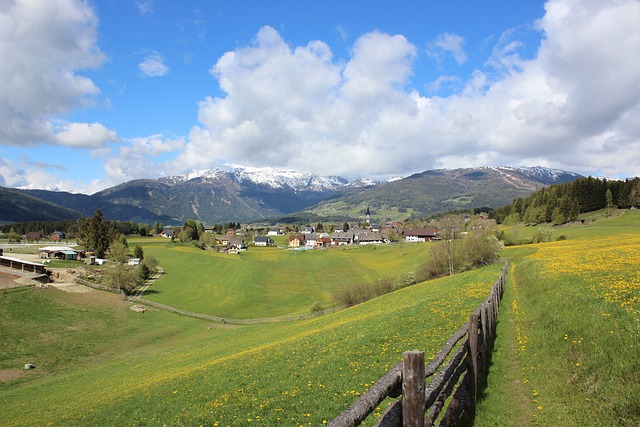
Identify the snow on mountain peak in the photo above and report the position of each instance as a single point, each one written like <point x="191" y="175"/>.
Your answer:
<point x="275" y="178"/>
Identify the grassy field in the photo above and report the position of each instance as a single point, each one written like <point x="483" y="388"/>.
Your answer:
<point x="177" y="371"/>
<point x="568" y="349"/>
<point x="270" y="282"/>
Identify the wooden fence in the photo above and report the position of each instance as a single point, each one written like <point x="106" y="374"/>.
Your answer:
<point x="454" y="387"/>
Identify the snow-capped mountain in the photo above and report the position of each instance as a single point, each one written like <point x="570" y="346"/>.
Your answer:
<point x="544" y="175"/>
<point x="243" y="194"/>
<point x="272" y="178"/>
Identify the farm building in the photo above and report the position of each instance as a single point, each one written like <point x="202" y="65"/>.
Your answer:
<point x="60" y="252"/>
<point x="422" y="235"/>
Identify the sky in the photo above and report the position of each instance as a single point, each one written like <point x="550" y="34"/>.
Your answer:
<point x="97" y="93"/>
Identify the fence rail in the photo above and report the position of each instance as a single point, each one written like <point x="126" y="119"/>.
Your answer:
<point x="422" y="405"/>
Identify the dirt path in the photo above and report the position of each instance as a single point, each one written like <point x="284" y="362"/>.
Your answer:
<point x="8" y="281"/>
<point x="150" y="282"/>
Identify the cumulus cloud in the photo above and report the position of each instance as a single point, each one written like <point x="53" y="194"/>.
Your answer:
<point x="43" y="45"/>
<point x="574" y="104"/>
<point x="153" y="65"/>
<point x="85" y="135"/>
<point x="28" y="174"/>
<point x="142" y="157"/>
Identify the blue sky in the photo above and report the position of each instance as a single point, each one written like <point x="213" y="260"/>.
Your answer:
<point x="96" y="93"/>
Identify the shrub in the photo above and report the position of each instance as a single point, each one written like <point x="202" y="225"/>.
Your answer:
<point x="317" y="307"/>
<point x="437" y="264"/>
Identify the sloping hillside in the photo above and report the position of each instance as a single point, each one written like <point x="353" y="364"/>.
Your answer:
<point x="441" y="190"/>
<point x="274" y="374"/>
<point x="16" y="206"/>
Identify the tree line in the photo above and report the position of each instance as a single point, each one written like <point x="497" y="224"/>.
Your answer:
<point x="561" y="203"/>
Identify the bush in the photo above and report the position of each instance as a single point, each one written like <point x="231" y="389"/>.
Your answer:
<point x="543" y="235"/>
<point x="481" y="247"/>
<point x="437" y="264"/>
<point x="317" y="307"/>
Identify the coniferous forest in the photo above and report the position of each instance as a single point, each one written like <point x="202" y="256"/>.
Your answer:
<point x="560" y="203"/>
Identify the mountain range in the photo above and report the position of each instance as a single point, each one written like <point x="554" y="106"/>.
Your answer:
<point x="247" y="195"/>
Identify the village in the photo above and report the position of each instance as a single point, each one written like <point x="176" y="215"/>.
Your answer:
<point x="308" y="237"/>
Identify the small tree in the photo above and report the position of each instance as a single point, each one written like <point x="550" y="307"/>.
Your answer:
<point x="123" y="239"/>
<point x="120" y="278"/>
<point x="13" y="236"/>
<point x="609" y="198"/>
<point x="138" y="252"/>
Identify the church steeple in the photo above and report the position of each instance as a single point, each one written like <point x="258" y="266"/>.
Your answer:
<point x="367" y="217"/>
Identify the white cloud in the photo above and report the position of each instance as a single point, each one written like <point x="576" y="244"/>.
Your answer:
<point x="574" y="104"/>
<point x="84" y="135"/>
<point x="448" y="44"/>
<point x="153" y="65"/>
<point x="37" y="175"/>
<point x="43" y="45"/>
<point x="143" y="157"/>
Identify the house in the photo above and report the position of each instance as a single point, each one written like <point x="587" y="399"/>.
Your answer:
<point x="170" y="233"/>
<point x="307" y="230"/>
<point x="426" y="234"/>
<point x="263" y="241"/>
<point x="235" y="242"/>
<point x="367" y="237"/>
<point x="296" y="240"/>
<point x="310" y="239"/>
<point x="133" y="261"/>
<point x="339" y="238"/>
<point x="275" y="232"/>
<point x="33" y="236"/>
<point x="323" y="242"/>
<point x="58" y="236"/>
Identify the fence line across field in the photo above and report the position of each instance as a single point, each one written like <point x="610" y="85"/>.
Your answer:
<point x="420" y="404"/>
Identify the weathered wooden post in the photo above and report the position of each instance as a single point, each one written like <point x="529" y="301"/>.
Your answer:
<point x="413" y="389"/>
<point x="484" y="344"/>
<point x="472" y="365"/>
<point x="490" y="328"/>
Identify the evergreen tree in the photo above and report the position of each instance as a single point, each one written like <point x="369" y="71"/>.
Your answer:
<point x="95" y="234"/>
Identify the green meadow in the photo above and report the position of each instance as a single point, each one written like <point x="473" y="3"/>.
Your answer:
<point x="567" y="349"/>
<point x="270" y="282"/>
<point x="181" y="371"/>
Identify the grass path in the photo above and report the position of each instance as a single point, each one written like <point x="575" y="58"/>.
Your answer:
<point x="568" y="347"/>
<point x="504" y="386"/>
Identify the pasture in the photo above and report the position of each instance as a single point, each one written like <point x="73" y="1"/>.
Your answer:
<point x="270" y="282"/>
<point x="567" y="349"/>
<point x="177" y="371"/>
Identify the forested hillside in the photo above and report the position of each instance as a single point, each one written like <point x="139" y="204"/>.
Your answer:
<point x="560" y="203"/>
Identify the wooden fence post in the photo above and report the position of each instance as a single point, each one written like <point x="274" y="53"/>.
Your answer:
<point x="472" y="364"/>
<point x="484" y="344"/>
<point x="490" y="329"/>
<point x="413" y="389"/>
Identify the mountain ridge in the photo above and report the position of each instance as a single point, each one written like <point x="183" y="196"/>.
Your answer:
<point x="242" y="194"/>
